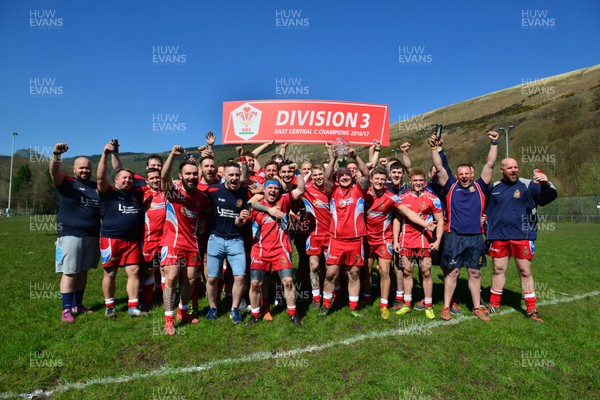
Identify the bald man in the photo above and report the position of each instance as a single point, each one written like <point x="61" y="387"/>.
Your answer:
<point x="512" y="229"/>
<point x="78" y="226"/>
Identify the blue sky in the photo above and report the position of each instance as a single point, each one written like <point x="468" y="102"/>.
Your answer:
<point x="155" y="73"/>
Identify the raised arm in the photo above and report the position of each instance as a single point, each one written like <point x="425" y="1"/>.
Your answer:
<point x="404" y="147"/>
<point x="256" y="152"/>
<point x="244" y="171"/>
<point x="56" y="173"/>
<point x="362" y="167"/>
<point x="210" y="141"/>
<point x="300" y="184"/>
<point x="165" y="175"/>
<point x="102" y="179"/>
<point x="282" y="149"/>
<point x="115" y="162"/>
<point x="442" y="174"/>
<point x="488" y="168"/>
<point x="328" y="173"/>
<point x="374" y="152"/>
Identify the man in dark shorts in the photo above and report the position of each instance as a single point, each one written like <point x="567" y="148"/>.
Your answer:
<point x="463" y="241"/>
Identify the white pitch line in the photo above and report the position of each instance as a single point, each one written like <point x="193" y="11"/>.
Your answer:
<point x="265" y="355"/>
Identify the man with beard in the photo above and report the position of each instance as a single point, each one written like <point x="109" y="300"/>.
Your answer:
<point x="185" y="204"/>
<point x="271" y="247"/>
<point x="226" y="241"/>
<point x="78" y="225"/>
<point x="122" y="228"/>
<point x="208" y="170"/>
<point x="512" y="229"/>
<point x="463" y="241"/>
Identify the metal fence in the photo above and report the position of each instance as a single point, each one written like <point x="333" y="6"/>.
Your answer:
<point x="573" y="209"/>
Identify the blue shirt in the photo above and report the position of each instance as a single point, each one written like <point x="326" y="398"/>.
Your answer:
<point x="403" y="188"/>
<point x="512" y="213"/>
<point x="227" y="205"/>
<point x="464" y="206"/>
<point x="79" y="210"/>
<point x="122" y="214"/>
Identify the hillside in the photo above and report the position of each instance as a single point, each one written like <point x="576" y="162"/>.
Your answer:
<point x="556" y="129"/>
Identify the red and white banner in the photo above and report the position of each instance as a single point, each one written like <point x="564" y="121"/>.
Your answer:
<point x="305" y="121"/>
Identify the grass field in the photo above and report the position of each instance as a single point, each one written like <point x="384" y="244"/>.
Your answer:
<point x="406" y="358"/>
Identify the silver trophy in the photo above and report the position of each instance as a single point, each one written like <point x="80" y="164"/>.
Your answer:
<point x="341" y="146"/>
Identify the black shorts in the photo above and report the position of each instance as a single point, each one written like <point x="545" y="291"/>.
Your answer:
<point x="463" y="251"/>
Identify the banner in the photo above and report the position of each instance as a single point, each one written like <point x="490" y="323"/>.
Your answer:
<point x="305" y="121"/>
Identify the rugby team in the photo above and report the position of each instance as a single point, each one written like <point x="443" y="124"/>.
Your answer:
<point x="222" y="229"/>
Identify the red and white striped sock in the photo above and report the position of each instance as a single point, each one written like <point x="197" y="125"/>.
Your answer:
<point x="327" y="299"/>
<point x="133" y="303"/>
<point x="529" y="298"/>
<point x="109" y="302"/>
<point x="383" y="303"/>
<point x="495" y="296"/>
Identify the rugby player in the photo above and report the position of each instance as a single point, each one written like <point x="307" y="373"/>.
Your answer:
<point x="180" y="255"/>
<point x="512" y="229"/>
<point x="78" y="226"/>
<point x="122" y="227"/>
<point x="463" y="240"/>
<point x="271" y="248"/>
<point x="226" y="240"/>
<point x="416" y="244"/>
<point x="347" y="231"/>
<point x="154" y="220"/>
<point x="316" y="199"/>
<point x="381" y="206"/>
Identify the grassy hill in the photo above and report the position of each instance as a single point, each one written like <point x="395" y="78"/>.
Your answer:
<point x="556" y="129"/>
<point x="556" y="124"/>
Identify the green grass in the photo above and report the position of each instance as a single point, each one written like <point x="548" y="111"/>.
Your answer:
<point x="509" y="357"/>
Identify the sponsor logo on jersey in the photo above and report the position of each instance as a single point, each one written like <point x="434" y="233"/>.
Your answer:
<point x="320" y="204"/>
<point x="188" y="213"/>
<point x="345" y="202"/>
<point x="157" y="206"/>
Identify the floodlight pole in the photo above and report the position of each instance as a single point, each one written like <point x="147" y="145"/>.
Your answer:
<point x="12" y="156"/>
<point x="506" y="130"/>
